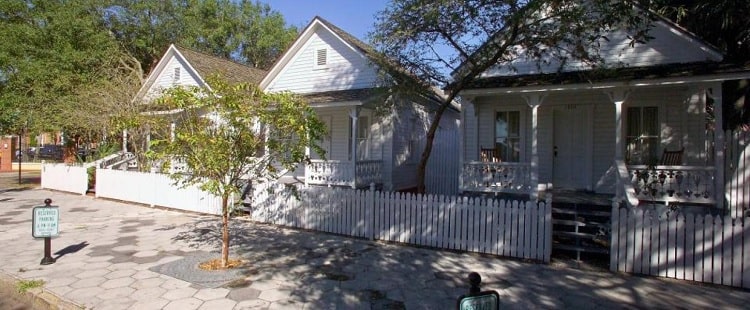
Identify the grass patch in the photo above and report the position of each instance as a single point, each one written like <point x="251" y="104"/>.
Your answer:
<point x="25" y="285"/>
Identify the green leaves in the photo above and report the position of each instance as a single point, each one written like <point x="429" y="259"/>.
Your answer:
<point x="236" y="132"/>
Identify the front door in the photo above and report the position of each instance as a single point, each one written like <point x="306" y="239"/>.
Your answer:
<point x="572" y="151"/>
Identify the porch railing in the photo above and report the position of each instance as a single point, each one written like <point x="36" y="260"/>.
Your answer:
<point x="343" y="173"/>
<point x="693" y="184"/>
<point x="480" y="176"/>
<point x="625" y="190"/>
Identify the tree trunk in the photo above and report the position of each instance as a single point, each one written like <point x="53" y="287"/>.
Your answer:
<point x="224" y="231"/>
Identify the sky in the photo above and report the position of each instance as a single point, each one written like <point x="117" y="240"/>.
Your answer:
<point x="353" y="16"/>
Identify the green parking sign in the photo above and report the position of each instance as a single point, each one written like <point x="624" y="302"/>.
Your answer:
<point x="45" y="222"/>
<point x="489" y="300"/>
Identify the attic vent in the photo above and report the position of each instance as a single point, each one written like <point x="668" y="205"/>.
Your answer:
<point x="176" y="76"/>
<point x="321" y="57"/>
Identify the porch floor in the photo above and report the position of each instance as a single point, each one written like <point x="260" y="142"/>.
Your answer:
<point x="578" y="197"/>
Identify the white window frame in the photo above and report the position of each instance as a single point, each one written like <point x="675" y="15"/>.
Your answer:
<point x="660" y="110"/>
<point x="521" y="131"/>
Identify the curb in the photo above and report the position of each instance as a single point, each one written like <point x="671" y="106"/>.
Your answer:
<point x="39" y="298"/>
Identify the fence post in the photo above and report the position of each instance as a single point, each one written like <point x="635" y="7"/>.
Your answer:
<point x="370" y="213"/>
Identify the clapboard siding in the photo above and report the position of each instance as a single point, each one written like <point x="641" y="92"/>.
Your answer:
<point x="668" y="46"/>
<point x="604" y="145"/>
<point x="346" y="69"/>
<point x="406" y="122"/>
<point x="166" y="78"/>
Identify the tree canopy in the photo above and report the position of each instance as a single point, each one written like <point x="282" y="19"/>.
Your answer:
<point x="449" y="43"/>
<point x="236" y="133"/>
<point x="75" y="65"/>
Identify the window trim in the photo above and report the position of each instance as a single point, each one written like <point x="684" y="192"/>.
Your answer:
<point x="521" y="131"/>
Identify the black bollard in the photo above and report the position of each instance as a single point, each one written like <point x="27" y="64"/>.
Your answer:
<point x="474" y="281"/>
<point x="48" y="259"/>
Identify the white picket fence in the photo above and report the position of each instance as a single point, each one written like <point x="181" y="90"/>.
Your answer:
<point x="681" y="246"/>
<point x="154" y="189"/>
<point x="515" y="229"/>
<point x="63" y="177"/>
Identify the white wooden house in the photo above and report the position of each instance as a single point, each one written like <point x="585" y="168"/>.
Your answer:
<point x="334" y="71"/>
<point x="603" y="130"/>
<point x="184" y="67"/>
<point x="180" y="66"/>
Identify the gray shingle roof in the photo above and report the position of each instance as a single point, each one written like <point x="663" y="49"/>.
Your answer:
<point x="208" y="65"/>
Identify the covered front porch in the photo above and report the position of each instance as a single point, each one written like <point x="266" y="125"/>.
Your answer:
<point x="598" y="138"/>
<point x="353" y="146"/>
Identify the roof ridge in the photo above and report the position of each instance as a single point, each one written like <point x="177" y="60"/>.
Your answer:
<point x="182" y="48"/>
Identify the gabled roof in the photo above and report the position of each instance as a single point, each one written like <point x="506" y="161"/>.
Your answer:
<point x="234" y="72"/>
<point x="712" y="64"/>
<point x="202" y="65"/>
<point x="362" y="48"/>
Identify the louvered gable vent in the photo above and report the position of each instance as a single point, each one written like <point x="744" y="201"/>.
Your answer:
<point x="321" y="58"/>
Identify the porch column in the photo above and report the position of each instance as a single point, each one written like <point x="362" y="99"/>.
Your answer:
<point x="618" y="97"/>
<point x="534" y="101"/>
<point x="468" y="110"/>
<point x="718" y="145"/>
<point x="354" y="114"/>
<point x="124" y="140"/>
<point x="171" y="132"/>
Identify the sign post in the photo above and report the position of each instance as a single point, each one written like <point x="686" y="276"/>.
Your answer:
<point x="477" y="300"/>
<point x="46" y="224"/>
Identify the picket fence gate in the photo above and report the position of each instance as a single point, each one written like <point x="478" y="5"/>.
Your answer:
<point x="514" y="229"/>
<point x="708" y="248"/>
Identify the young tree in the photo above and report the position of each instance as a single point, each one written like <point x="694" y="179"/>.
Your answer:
<point x="230" y="133"/>
<point x="450" y="43"/>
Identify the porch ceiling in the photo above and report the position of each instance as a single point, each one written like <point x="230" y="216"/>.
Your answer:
<point x="609" y="78"/>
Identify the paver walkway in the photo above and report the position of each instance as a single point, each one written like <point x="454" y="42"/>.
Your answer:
<point x="118" y="256"/>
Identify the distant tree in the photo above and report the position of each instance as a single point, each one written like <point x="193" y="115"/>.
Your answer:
<point x="55" y="53"/>
<point x="449" y="43"/>
<point x="233" y="133"/>
<point x="245" y="31"/>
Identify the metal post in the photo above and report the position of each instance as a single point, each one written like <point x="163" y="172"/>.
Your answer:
<point x="48" y="259"/>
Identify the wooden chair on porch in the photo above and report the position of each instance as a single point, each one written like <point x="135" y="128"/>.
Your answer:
<point x="672" y="158"/>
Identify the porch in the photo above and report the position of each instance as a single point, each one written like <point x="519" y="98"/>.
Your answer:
<point x="604" y="141"/>
<point x="661" y="183"/>
<point x="354" y="174"/>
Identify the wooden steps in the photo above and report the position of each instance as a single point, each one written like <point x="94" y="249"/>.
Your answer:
<point x="580" y="228"/>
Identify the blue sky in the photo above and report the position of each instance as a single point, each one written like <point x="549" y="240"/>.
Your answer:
<point x="353" y="16"/>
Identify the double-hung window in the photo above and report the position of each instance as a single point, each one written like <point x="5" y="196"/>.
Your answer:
<point x="508" y="135"/>
<point x="642" y="138"/>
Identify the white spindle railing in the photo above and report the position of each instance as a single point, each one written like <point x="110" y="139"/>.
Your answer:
<point x="342" y="173"/>
<point x="673" y="183"/>
<point x="368" y="171"/>
<point x="496" y="177"/>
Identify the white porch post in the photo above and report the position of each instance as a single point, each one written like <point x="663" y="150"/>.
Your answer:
<point x="618" y="97"/>
<point x="125" y="140"/>
<point x="354" y="114"/>
<point x="171" y="132"/>
<point x="534" y="101"/>
<point x="466" y="105"/>
<point x="718" y="146"/>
